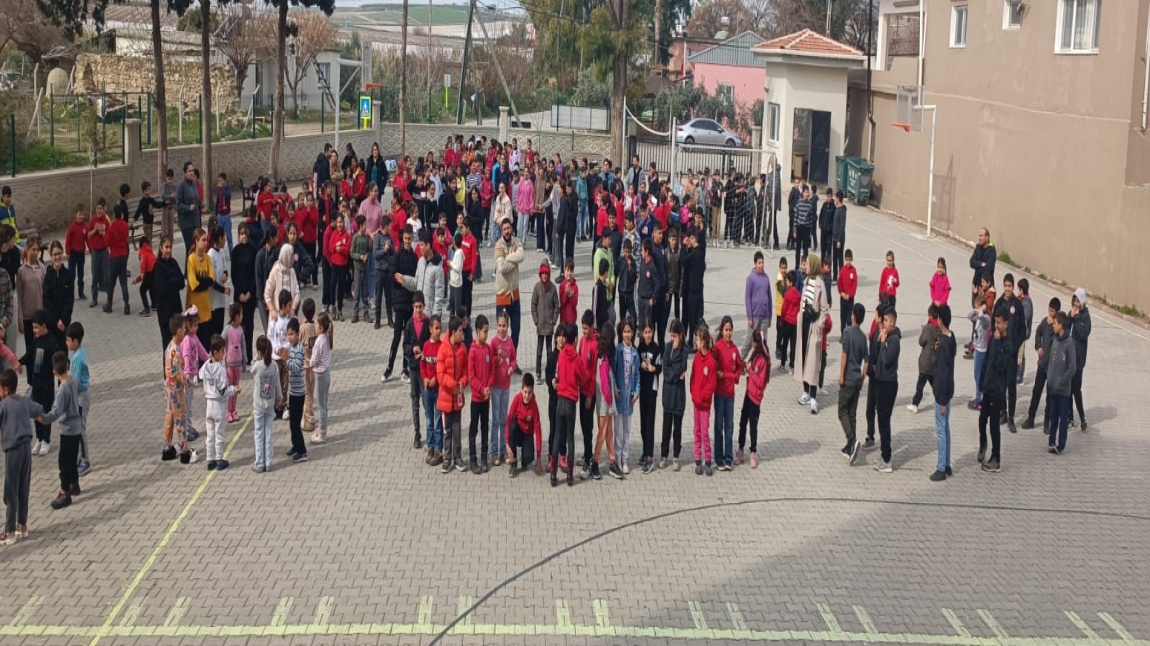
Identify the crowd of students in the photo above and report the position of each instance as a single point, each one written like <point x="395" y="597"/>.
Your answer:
<point x="644" y="334"/>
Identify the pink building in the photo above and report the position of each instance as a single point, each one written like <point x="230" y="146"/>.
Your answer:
<point x="730" y="69"/>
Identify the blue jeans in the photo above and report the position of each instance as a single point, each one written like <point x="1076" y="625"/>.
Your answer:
<point x="500" y="401"/>
<point x="370" y="276"/>
<point x="263" y="435"/>
<point x="942" y="430"/>
<point x="434" y="419"/>
<point x="623" y="436"/>
<point x="514" y="314"/>
<point x="979" y="357"/>
<point x="225" y="221"/>
<point x="724" y="413"/>
<point x="583" y="223"/>
<point x="1059" y="420"/>
<point x="524" y="218"/>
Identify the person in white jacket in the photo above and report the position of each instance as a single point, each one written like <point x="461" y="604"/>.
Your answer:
<point x="455" y="276"/>
<point x="281" y="278"/>
<point x="214" y="377"/>
<point x="428" y="276"/>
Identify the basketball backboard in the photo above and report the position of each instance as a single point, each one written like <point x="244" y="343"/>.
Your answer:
<point x="908" y="108"/>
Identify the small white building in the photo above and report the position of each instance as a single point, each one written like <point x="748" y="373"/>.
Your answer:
<point x="805" y="112"/>
<point x="262" y="75"/>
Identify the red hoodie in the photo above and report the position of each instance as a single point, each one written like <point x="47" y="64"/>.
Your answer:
<point x="703" y="380"/>
<point x="147" y="258"/>
<point x="266" y="202"/>
<point x="470" y="250"/>
<point x="848" y="281"/>
<point x="398" y="222"/>
<point x="589" y="355"/>
<point x="730" y="364"/>
<point x="758" y="376"/>
<point x="338" y="247"/>
<point x="526" y="416"/>
<point x="75" y="240"/>
<point x="429" y="357"/>
<point x="569" y="372"/>
<point x="791" y="305"/>
<point x="118" y="239"/>
<point x="96" y="240"/>
<point x="568" y="303"/>
<point x="479" y="370"/>
<point x="307" y="219"/>
<point x="888" y="282"/>
<point x="503" y="353"/>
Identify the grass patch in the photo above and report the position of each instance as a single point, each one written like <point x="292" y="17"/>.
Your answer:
<point x="41" y="156"/>
<point x="1005" y="258"/>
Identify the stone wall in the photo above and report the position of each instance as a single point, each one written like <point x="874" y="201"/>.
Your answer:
<point x="115" y="74"/>
<point x="49" y="199"/>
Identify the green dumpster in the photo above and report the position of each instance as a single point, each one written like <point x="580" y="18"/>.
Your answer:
<point x="855" y="175"/>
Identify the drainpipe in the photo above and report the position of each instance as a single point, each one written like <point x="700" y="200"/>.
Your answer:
<point x="870" y="56"/>
<point x="1146" y="80"/>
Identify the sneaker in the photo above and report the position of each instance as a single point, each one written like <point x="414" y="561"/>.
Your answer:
<point x="1083" y="424"/>
<point x="405" y="378"/>
<point x="62" y="500"/>
<point x="221" y="465"/>
<point x="981" y="456"/>
<point x="290" y="453"/>
<point x="814" y="406"/>
<point x="938" y="476"/>
<point x="708" y="469"/>
<point x="299" y="457"/>
<point x="855" y="451"/>
<point x="698" y="468"/>
<point x="1072" y="425"/>
<point x="447" y="466"/>
<point x="846" y="451"/>
<point x="614" y="471"/>
<point x="585" y="472"/>
<point x="37" y="446"/>
<point x="192" y="435"/>
<point x="146" y="312"/>
<point x="648" y="467"/>
<point x="676" y="465"/>
<point x="83" y="467"/>
<point x="436" y="459"/>
<point x="804" y="399"/>
<point x="211" y="465"/>
<point x="754" y="460"/>
<point x="739" y="457"/>
<point x="484" y="466"/>
<point x="46" y="448"/>
<point x="882" y="466"/>
<point x="973" y="405"/>
<point x="258" y="468"/>
<point x="868" y="444"/>
<point x="554" y="480"/>
<point x="8" y="539"/>
<point x="168" y="454"/>
<point x="385" y="376"/>
<point x="991" y="466"/>
<point x="626" y="469"/>
<point x="460" y="467"/>
<point x="474" y="467"/>
<point x="1011" y="427"/>
<point x="913" y="408"/>
<point x="513" y="471"/>
<point x="1027" y="424"/>
<point x="417" y="443"/>
<point x="723" y="466"/>
<point x="22" y="531"/>
<point x="497" y="460"/>
<point x="664" y="463"/>
<point x="595" y="472"/>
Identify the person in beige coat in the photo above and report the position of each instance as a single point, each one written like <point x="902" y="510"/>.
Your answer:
<point x="508" y="256"/>
<point x="282" y="277"/>
<point x="813" y="310"/>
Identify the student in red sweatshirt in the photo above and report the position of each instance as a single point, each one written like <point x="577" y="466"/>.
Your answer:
<point x="118" y="245"/>
<point x="758" y="375"/>
<point x="428" y="357"/>
<point x="888" y="282"/>
<point x="569" y="374"/>
<point x="568" y="295"/>
<point x="522" y="426"/>
<point x="97" y="232"/>
<point x="480" y="372"/>
<point x="789" y="322"/>
<point x="588" y="350"/>
<point x="76" y="246"/>
<point x="144" y="278"/>
<point x="730" y="368"/>
<point x="848" y="285"/>
<point x="338" y="252"/>
<point x="704" y="379"/>
<point x="307" y="219"/>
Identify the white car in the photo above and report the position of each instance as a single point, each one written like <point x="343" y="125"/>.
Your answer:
<point x="706" y="132"/>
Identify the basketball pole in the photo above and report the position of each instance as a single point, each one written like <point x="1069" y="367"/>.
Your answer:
<point x="930" y="180"/>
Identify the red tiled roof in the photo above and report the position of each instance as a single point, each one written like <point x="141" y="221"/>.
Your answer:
<point x="808" y="43"/>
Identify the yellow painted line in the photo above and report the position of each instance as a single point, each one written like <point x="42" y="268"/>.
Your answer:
<point x="167" y="538"/>
<point x="562" y="613"/>
<point x="992" y="624"/>
<point x="133" y="613"/>
<point x="955" y="623"/>
<point x="829" y="619"/>
<point x="697" y="615"/>
<point x="323" y="611"/>
<point x="465" y="602"/>
<point x="864" y="620"/>
<point x="176" y="614"/>
<point x="1116" y="627"/>
<point x="426" y="604"/>
<point x="1081" y="625"/>
<point x="27" y="610"/>
<point x="625" y="632"/>
<point x="736" y="617"/>
<point x="280" y="617"/>
<point x="602" y="616"/>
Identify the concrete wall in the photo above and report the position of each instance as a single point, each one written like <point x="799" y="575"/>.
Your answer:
<point x="49" y="198"/>
<point x="1037" y="146"/>
<point x="113" y="73"/>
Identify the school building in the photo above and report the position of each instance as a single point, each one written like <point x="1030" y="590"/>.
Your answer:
<point x="1042" y="114"/>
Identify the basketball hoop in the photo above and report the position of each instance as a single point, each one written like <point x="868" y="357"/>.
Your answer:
<point x="905" y="127"/>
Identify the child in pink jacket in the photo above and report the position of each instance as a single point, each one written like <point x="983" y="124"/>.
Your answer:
<point x="235" y="357"/>
<point x="194" y="356"/>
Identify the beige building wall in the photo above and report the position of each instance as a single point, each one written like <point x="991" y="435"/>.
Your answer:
<point x="1037" y="146"/>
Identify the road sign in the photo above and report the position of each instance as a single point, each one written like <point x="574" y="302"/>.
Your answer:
<point x="365" y="111"/>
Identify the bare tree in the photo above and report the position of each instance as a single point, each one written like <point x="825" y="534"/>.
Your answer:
<point x="21" y="28"/>
<point x="314" y="35"/>
<point x="707" y="19"/>
<point x="242" y="41"/>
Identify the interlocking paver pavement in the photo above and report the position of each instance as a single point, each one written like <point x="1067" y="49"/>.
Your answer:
<point x="365" y="544"/>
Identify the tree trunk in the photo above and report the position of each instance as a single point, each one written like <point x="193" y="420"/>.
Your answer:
<point x="281" y="74"/>
<point x="294" y="100"/>
<point x="206" y="177"/>
<point x="161" y="96"/>
<point x="241" y="78"/>
<point x="619" y="85"/>
<point x="658" y="32"/>
<point x="403" y="88"/>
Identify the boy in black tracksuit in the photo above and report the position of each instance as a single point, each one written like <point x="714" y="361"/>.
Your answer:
<point x="885" y="350"/>
<point x="993" y="383"/>
<point x="550" y="375"/>
<point x="1043" y="340"/>
<point x="38" y="362"/>
<point x="1011" y="306"/>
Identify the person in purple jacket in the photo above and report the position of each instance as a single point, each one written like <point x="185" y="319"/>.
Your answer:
<point x="760" y="301"/>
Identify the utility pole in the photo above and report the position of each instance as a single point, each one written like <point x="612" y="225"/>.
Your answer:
<point x="429" y="60"/>
<point x="828" y="31"/>
<point x="619" y="12"/>
<point x="658" y="30"/>
<point x="499" y="69"/>
<point x="463" y="72"/>
<point x="402" y="89"/>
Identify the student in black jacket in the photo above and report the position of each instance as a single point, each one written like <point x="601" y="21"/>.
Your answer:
<point x="58" y="293"/>
<point x="693" y="264"/>
<point x="885" y="350"/>
<point x="243" y="276"/>
<point x="827" y="223"/>
<point x="1043" y="340"/>
<point x="946" y="348"/>
<point x="167" y="291"/>
<point x="992" y="383"/>
<point x="1011" y="306"/>
<point x="37" y="361"/>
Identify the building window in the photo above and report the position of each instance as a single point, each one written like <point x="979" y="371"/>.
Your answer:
<point x="1078" y="26"/>
<point x="773" y="126"/>
<point x="324" y="70"/>
<point x="725" y="93"/>
<point x="1011" y="14"/>
<point x="958" y="25"/>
